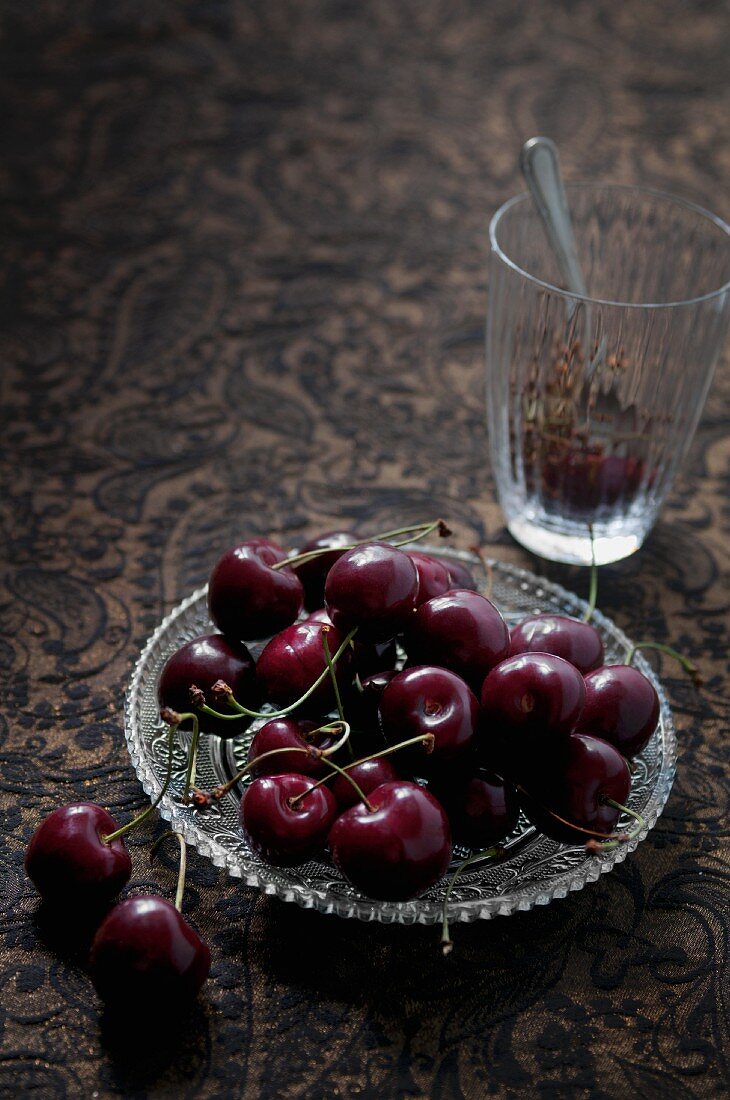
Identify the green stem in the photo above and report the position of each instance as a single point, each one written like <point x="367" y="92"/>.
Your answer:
<point x="592" y="833"/>
<point x="218" y="792"/>
<point x="331" y="670"/>
<point x="593" y="590"/>
<point x="422" y="529"/>
<point x="339" y="771"/>
<point x="691" y="669"/>
<point x="181" y="872"/>
<point x="488" y="853"/>
<point x="182" y="866"/>
<point x="596" y="846"/>
<point x="241" y="710"/>
<point x="190" y="774"/>
<point x="422" y="738"/>
<point x="163" y="789"/>
<point x="335" y="685"/>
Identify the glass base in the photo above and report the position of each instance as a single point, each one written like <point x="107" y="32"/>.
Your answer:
<point x="573" y="549"/>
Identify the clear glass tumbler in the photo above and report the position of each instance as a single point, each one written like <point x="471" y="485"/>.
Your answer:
<point x="592" y="401"/>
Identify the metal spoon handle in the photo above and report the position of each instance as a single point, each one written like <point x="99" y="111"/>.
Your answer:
<point x="540" y="166"/>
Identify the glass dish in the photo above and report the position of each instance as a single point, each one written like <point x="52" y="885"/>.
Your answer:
<point x="535" y="870"/>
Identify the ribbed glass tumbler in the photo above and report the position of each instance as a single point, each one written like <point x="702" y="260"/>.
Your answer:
<point x="592" y="401"/>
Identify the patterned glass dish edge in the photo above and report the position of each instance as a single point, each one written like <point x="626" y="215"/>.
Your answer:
<point x="535" y="871"/>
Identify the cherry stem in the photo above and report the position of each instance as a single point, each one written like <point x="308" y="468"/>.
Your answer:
<point x="218" y="792"/>
<point x="422" y="531"/>
<point x="163" y="789"/>
<point x="595" y="846"/>
<point x="181" y="872"/>
<point x="424" y="738"/>
<point x="339" y="771"/>
<point x="691" y="669"/>
<point x="593" y="589"/>
<point x="183" y="862"/>
<point x="593" y="833"/>
<point x="489" y="853"/>
<point x="190" y="774"/>
<point x="240" y="710"/>
<point x="330" y="727"/>
<point x="331" y="670"/>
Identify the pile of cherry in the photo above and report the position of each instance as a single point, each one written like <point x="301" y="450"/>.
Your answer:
<point x="479" y="723"/>
<point x="495" y="720"/>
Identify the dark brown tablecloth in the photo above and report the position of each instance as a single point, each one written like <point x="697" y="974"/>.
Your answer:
<point x="243" y="290"/>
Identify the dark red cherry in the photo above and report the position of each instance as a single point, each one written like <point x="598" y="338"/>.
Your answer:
<point x="430" y="700"/>
<point x="68" y="862"/>
<point x="201" y="662"/>
<point x="573" y="640"/>
<point x="247" y="598"/>
<point x="396" y="850"/>
<point x="621" y="706"/>
<point x="574" y="784"/>
<point x="462" y="631"/>
<point x="374" y="588"/>
<point x="482" y="807"/>
<point x="288" y="733"/>
<point x="460" y="576"/>
<point x="313" y="573"/>
<point x="144" y="952"/>
<point x="281" y="832"/>
<point x="368" y="775"/>
<point x="584" y="483"/>
<point x="532" y="701"/>
<point x="433" y="576"/>
<point x="293" y="660"/>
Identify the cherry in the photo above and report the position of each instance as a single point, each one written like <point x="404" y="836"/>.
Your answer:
<point x="280" y="832"/>
<point x="481" y="806"/>
<point x="69" y="862"/>
<point x="430" y="700"/>
<point x="584" y="482"/>
<point x="574" y="785"/>
<point x="374" y="588"/>
<point x="530" y="702"/>
<point x="145" y="952"/>
<point x="396" y="847"/>
<point x="459" y="574"/>
<point x="292" y="661"/>
<point x="573" y="640"/>
<point x="462" y="631"/>
<point x="247" y="597"/>
<point x="201" y="662"/>
<point x="283" y="733"/>
<point x="433" y="576"/>
<point x="313" y="573"/>
<point x="621" y="706"/>
<point x="366" y="659"/>
<point x="368" y="775"/>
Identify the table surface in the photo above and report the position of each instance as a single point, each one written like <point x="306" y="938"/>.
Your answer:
<point x="243" y="264"/>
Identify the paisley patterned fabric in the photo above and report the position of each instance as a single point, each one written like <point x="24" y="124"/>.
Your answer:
<point x="243" y="290"/>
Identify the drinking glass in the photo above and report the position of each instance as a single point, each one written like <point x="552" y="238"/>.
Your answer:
<point x="592" y="401"/>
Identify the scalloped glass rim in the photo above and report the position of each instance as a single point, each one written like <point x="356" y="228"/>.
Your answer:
<point x="536" y="871"/>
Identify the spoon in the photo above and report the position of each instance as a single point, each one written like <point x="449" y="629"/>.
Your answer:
<point x="540" y="166"/>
